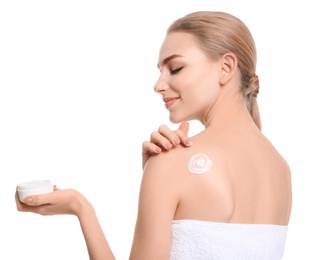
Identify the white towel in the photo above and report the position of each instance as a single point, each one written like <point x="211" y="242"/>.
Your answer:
<point x="193" y="239"/>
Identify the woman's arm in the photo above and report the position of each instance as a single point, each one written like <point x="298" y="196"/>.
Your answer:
<point x="71" y="202"/>
<point x="97" y="245"/>
<point x="158" y="200"/>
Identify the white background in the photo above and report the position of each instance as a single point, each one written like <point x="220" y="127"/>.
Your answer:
<point x="77" y="101"/>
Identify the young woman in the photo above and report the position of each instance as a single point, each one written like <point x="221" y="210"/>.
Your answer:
<point x="228" y="196"/>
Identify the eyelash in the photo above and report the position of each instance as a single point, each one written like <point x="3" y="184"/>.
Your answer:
<point x="173" y="72"/>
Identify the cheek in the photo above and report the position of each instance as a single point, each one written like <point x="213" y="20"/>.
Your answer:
<point x="205" y="86"/>
<point x="198" y="83"/>
<point x="203" y="93"/>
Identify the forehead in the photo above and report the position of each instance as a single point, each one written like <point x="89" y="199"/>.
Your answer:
<point x="178" y="43"/>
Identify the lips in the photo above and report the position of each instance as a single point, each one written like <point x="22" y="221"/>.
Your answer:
<point x="169" y="101"/>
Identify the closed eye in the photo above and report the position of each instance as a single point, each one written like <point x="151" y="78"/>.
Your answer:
<point x="173" y="72"/>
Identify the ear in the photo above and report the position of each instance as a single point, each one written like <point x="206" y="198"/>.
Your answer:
<point x="228" y="67"/>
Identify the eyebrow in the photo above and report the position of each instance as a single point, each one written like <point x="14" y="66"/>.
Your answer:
<point x="166" y="60"/>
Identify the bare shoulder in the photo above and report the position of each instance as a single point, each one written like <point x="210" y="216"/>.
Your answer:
<point x="167" y="160"/>
<point x="278" y="165"/>
<point x="170" y="168"/>
<point x="175" y="162"/>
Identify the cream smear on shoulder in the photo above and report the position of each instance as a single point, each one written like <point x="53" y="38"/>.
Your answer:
<point x="199" y="163"/>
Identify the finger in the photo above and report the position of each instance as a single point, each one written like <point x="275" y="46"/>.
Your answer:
<point x="164" y="138"/>
<point x="149" y="148"/>
<point x="20" y="206"/>
<point x="41" y="199"/>
<point x="182" y="134"/>
<point x="17" y="201"/>
<point x="184" y="126"/>
<point x="168" y="136"/>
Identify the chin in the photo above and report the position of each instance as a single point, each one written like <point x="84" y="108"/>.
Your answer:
<point x="175" y="120"/>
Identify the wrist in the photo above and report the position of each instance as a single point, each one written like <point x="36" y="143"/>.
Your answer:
<point x="80" y="205"/>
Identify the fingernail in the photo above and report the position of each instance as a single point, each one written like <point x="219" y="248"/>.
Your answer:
<point x="176" y="140"/>
<point x="28" y="199"/>
<point x="158" y="149"/>
<point x="188" y="143"/>
<point x="169" y="145"/>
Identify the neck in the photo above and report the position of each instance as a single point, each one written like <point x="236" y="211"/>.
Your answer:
<point x="229" y="112"/>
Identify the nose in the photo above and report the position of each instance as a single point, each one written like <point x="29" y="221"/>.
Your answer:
<point x="160" y="86"/>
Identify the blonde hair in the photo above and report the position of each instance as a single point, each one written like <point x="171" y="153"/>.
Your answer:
<point x="219" y="33"/>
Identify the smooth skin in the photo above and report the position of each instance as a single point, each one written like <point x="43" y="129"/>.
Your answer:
<point x="246" y="184"/>
<point x="249" y="181"/>
<point x="72" y="202"/>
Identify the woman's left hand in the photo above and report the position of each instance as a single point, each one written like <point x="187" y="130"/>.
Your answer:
<point x="164" y="139"/>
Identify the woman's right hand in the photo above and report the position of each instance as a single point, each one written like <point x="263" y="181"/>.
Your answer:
<point x="70" y="201"/>
<point x="165" y="139"/>
<point x="67" y="201"/>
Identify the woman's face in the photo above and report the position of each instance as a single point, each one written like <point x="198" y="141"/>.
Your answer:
<point x="189" y="80"/>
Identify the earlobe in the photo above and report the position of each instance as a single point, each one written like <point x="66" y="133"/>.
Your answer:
<point x="228" y="67"/>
